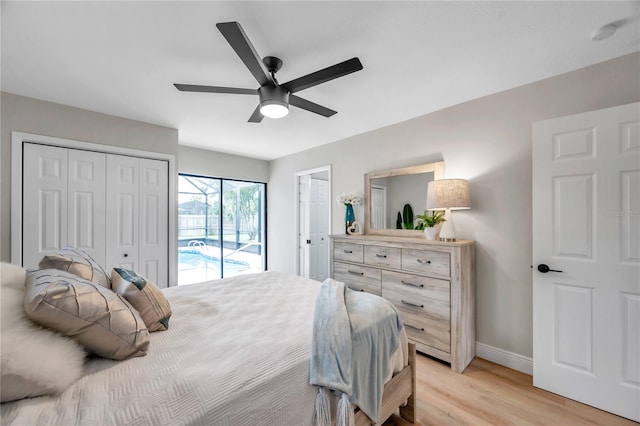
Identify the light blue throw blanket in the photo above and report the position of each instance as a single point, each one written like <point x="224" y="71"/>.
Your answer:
<point x="354" y="336"/>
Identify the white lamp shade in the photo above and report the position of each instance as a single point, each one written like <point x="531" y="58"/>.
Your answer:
<point x="445" y="194"/>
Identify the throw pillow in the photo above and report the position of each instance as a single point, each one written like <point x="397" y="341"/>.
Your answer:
<point x="25" y="371"/>
<point x="144" y="296"/>
<point x="77" y="262"/>
<point x="97" y="318"/>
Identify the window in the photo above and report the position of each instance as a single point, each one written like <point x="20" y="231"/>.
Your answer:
<point x="221" y="228"/>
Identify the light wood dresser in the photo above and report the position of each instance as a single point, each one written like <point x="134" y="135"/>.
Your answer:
<point x="431" y="283"/>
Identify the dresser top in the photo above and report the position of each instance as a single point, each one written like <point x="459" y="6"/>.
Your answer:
<point x="400" y="240"/>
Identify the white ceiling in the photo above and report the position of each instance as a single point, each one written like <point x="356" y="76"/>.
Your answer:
<point x="121" y="58"/>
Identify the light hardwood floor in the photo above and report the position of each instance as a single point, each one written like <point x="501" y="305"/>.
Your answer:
<point x="489" y="394"/>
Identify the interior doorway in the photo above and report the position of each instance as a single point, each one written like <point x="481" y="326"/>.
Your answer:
<point x="313" y="218"/>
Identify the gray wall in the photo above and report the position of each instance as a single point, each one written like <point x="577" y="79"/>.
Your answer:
<point x="30" y="115"/>
<point x="488" y="142"/>
<point x="45" y="118"/>
<point x="215" y="164"/>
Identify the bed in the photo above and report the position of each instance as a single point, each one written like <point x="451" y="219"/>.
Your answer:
<point x="237" y="353"/>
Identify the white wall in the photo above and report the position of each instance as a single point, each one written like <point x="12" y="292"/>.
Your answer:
<point x="487" y="141"/>
<point x="49" y="119"/>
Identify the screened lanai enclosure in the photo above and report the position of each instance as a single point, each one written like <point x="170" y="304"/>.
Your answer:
<point x="221" y="228"/>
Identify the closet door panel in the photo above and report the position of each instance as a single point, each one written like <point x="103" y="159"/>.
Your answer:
<point x="87" y="192"/>
<point x="122" y="212"/>
<point x="154" y="220"/>
<point x="44" y="195"/>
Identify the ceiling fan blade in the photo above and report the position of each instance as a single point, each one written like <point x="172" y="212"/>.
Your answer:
<point x="310" y="106"/>
<point x="239" y="41"/>
<point x="324" y="75"/>
<point x="214" y="89"/>
<point x="256" y="117"/>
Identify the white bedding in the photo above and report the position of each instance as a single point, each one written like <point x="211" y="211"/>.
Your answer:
<point x="236" y="353"/>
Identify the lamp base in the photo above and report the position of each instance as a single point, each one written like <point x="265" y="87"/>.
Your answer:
<point x="448" y="231"/>
<point x="447" y="240"/>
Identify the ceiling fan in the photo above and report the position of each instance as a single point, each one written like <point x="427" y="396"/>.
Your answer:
<point x="275" y="98"/>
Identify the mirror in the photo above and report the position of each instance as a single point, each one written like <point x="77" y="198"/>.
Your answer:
<point x="386" y="193"/>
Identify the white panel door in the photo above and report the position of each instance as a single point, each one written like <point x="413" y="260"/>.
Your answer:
<point x="304" y="201"/>
<point x="44" y="212"/>
<point x="379" y="207"/>
<point x="122" y="212"/>
<point x="586" y="230"/>
<point x="319" y="230"/>
<point x="154" y="220"/>
<point x="86" y="199"/>
<point x="322" y="230"/>
<point x="313" y="230"/>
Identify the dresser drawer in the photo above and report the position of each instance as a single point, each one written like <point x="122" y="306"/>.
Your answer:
<point x="424" y="304"/>
<point x="385" y="257"/>
<point x="424" y="330"/>
<point x="427" y="297"/>
<point x="348" y="252"/>
<point x="359" y="278"/>
<point x="426" y="262"/>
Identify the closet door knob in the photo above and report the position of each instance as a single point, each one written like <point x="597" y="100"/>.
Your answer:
<point x="126" y="255"/>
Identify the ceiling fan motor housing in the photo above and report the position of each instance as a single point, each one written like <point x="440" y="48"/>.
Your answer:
<point x="270" y="95"/>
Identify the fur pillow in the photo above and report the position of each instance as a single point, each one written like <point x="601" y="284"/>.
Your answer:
<point x="144" y="296"/>
<point x="26" y="371"/>
<point x="97" y="318"/>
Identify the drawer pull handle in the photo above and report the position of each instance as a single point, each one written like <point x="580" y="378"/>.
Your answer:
<point x="355" y="272"/>
<point x="412" y="304"/>
<point x="348" y="251"/>
<point x="411" y="284"/>
<point x="384" y="256"/>
<point x="413" y="326"/>
<point x="424" y="262"/>
<point x="355" y="289"/>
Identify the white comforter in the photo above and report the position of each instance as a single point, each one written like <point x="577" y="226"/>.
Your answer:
<point x="236" y="353"/>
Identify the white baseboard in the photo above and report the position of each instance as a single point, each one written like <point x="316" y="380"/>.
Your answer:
<point x="508" y="359"/>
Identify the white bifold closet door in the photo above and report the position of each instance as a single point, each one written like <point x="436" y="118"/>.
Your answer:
<point x="63" y="202"/>
<point x="114" y="207"/>
<point x="137" y="215"/>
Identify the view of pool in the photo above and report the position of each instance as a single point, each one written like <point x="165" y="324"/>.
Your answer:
<point x="195" y="266"/>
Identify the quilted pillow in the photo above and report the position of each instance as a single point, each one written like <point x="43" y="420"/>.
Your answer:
<point x="144" y="296"/>
<point x="97" y="318"/>
<point x="35" y="361"/>
<point x="77" y="262"/>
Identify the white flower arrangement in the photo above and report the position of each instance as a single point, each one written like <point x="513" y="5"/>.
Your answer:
<point x="351" y="198"/>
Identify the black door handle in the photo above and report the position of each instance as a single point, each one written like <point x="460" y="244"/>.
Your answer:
<point x="545" y="268"/>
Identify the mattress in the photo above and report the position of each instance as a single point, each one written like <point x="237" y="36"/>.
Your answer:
<point x="236" y="353"/>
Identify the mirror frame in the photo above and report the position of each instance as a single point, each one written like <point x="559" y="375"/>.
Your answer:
<point x="438" y="173"/>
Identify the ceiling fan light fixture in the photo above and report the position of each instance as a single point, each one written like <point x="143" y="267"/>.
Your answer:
<point x="273" y="110"/>
<point x="274" y="102"/>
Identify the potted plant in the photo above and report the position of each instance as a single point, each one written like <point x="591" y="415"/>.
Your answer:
<point x="428" y="222"/>
<point x="405" y="219"/>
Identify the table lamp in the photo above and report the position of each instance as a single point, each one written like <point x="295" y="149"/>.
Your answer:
<point x="447" y="195"/>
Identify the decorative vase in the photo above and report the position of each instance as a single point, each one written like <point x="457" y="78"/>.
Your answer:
<point x="349" y="217"/>
<point x="431" y="234"/>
